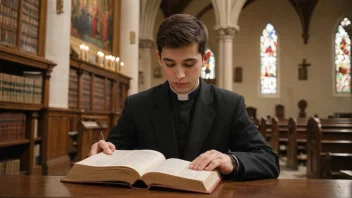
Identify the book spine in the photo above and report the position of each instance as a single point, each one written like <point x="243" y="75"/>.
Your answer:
<point x="6" y="87"/>
<point x="1" y="85"/>
<point x="30" y="92"/>
<point x="73" y="89"/>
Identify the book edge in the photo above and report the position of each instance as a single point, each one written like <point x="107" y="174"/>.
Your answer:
<point x="189" y="190"/>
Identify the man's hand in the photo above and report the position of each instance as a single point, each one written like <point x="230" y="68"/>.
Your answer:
<point x="213" y="159"/>
<point x="100" y="146"/>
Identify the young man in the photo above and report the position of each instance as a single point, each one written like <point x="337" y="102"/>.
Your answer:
<point x="189" y="119"/>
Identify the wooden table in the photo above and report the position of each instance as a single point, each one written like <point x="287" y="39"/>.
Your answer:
<point x="50" y="186"/>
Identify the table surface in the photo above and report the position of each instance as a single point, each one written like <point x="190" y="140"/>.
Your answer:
<point x="50" y="186"/>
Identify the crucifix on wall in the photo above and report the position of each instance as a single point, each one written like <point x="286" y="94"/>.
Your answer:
<point x="302" y="70"/>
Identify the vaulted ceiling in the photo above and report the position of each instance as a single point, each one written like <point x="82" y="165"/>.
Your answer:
<point x="170" y="7"/>
<point x="304" y="9"/>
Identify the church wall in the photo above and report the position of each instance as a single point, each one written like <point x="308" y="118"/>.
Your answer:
<point x="57" y="48"/>
<point x="318" y="89"/>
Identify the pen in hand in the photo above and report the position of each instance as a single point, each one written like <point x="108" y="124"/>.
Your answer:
<point x="101" y="133"/>
<point x="109" y="151"/>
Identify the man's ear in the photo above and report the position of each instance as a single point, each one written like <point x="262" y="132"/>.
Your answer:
<point x="158" y="56"/>
<point x="206" y="56"/>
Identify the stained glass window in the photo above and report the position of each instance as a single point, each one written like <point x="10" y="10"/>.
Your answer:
<point x="343" y="58"/>
<point x="208" y="71"/>
<point x="268" y="65"/>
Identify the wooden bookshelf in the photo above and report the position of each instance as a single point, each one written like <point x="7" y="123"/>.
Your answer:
<point x="20" y="106"/>
<point x="13" y="143"/>
<point x="22" y="25"/>
<point x="25" y="87"/>
<point x="98" y="97"/>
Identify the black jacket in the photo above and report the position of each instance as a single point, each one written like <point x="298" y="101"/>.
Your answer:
<point x="219" y="122"/>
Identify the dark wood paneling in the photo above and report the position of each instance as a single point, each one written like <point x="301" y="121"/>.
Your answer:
<point x="55" y="155"/>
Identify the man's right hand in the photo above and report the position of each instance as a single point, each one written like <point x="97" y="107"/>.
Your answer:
<point x="100" y="146"/>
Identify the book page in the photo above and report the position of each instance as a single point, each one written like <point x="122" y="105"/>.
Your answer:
<point x="140" y="160"/>
<point x="180" y="168"/>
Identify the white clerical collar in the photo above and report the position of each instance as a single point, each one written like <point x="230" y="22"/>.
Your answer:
<point x="184" y="97"/>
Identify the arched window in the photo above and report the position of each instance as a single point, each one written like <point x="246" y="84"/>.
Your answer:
<point x="208" y="71"/>
<point x="342" y="59"/>
<point x="268" y="61"/>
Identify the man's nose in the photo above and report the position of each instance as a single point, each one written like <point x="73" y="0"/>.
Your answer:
<point x="180" y="72"/>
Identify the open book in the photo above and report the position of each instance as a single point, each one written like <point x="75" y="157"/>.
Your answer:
<point x="149" y="166"/>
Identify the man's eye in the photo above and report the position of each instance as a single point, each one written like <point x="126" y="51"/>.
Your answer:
<point x="189" y="65"/>
<point x="170" y="64"/>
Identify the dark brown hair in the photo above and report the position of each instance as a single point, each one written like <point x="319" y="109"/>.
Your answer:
<point x="180" y="30"/>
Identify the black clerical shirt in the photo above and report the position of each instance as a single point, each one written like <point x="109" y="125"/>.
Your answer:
<point x="182" y="117"/>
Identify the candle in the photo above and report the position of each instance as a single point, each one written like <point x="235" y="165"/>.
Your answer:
<point x="100" y="58"/>
<point x="113" y="63"/>
<point x="121" y="65"/>
<point x="117" y="59"/>
<point x="81" y="53"/>
<point x="106" y="65"/>
<point x="86" y="53"/>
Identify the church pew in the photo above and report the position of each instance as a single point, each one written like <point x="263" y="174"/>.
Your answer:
<point x="337" y="120"/>
<point x="279" y="132"/>
<point x="318" y="145"/>
<point x="274" y="141"/>
<point x="265" y="129"/>
<point x="333" y="165"/>
<point x="331" y="130"/>
<point x="297" y="139"/>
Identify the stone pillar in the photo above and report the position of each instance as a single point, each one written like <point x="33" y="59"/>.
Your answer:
<point x="129" y="34"/>
<point x="224" y="63"/>
<point x="226" y="15"/>
<point x="148" y="11"/>
<point x="57" y="47"/>
<point x="145" y="62"/>
<point x="225" y="41"/>
<point x="220" y="60"/>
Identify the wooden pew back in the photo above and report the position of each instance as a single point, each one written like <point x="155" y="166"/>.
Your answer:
<point x="324" y="137"/>
<point x="297" y="135"/>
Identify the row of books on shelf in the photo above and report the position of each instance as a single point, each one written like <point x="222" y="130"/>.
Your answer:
<point x="8" y="17"/>
<point x="10" y="167"/>
<point x="98" y="94"/>
<point x="31" y="21"/>
<point x="101" y="95"/>
<point x="29" y="29"/>
<point x="73" y="90"/>
<point x="33" y="2"/>
<point x="29" y="41"/>
<point x="86" y="91"/>
<point x="13" y="4"/>
<point x="8" y="37"/>
<point x="30" y="9"/>
<point x="29" y="44"/>
<point x="23" y="89"/>
<point x="12" y="126"/>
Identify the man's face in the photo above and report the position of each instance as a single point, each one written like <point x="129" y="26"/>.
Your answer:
<point x="182" y="66"/>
